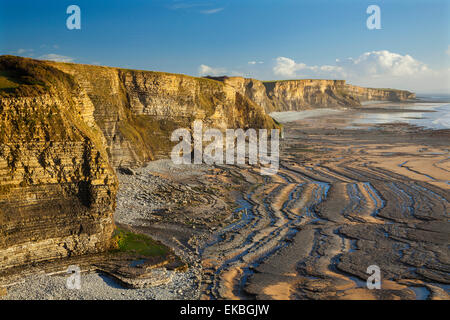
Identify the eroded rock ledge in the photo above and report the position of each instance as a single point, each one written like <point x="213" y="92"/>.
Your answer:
<point x="63" y="130"/>
<point x="65" y="127"/>
<point x="295" y="95"/>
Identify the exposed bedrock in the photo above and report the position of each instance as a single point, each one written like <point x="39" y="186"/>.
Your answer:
<point x="138" y="110"/>
<point x="367" y="94"/>
<point x="312" y="230"/>
<point x="65" y="127"/>
<point x="57" y="187"/>
<point x="294" y="95"/>
<point x="63" y="130"/>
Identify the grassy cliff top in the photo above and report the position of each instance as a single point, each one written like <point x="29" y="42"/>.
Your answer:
<point x="26" y="77"/>
<point x="19" y="75"/>
<point x="300" y="80"/>
<point x="132" y="70"/>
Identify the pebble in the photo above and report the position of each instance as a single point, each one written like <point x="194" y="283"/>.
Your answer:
<point x="99" y="287"/>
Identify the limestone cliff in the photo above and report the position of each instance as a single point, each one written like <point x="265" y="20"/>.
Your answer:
<point x="63" y="129"/>
<point x="293" y="95"/>
<point x="303" y="94"/>
<point x="368" y="94"/>
<point x="138" y="110"/>
<point x="57" y="189"/>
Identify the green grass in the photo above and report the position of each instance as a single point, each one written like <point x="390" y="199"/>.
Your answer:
<point x="28" y="77"/>
<point x="7" y="82"/>
<point x="138" y="244"/>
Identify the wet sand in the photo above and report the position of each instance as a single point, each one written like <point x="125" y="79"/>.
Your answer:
<point x="343" y="200"/>
<point x="346" y="197"/>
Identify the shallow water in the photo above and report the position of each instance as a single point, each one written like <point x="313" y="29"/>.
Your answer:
<point x="422" y="293"/>
<point x="428" y="115"/>
<point x="288" y="116"/>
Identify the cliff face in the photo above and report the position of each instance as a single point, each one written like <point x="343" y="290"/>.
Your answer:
<point x="64" y="127"/>
<point x="305" y="94"/>
<point x="294" y="95"/>
<point x="138" y="110"/>
<point x="367" y="94"/>
<point x="57" y="188"/>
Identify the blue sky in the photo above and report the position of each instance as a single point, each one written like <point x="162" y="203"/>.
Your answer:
<point x="264" y="39"/>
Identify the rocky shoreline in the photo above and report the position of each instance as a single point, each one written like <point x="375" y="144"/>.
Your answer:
<point x="65" y="128"/>
<point x="342" y="200"/>
<point x="346" y="196"/>
<point x="180" y="208"/>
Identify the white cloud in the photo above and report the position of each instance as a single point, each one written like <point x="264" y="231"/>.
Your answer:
<point x="211" y="11"/>
<point x="204" y="7"/>
<point x="205" y="70"/>
<point x="382" y="63"/>
<point x="56" y="57"/>
<point x="24" y="52"/>
<point x="255" y="62"/>
<point x="369" y="64"/>
<point x="375" y="68"/>
<point x="287" y="67"/>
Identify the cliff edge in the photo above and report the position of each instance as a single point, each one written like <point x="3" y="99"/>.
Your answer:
<point x="296" y="95"/>
<point x="57" y="187"/>
<point x="65" y="127"/>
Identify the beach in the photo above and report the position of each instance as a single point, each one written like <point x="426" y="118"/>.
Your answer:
<point x="352" y="191"/>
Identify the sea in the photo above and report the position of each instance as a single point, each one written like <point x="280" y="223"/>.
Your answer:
<point x="430" y="111"/>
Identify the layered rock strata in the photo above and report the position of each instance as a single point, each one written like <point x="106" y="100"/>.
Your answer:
<point x="63" y="129"/>
<point x="57" y="188"/>
<point x="295" y="95"/>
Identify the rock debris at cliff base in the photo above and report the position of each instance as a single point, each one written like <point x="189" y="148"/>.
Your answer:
<point x="343" y="198"/>
<point x="341" y="202"/>
<point x="97" y="286"/>
<point x="310" y="232"/>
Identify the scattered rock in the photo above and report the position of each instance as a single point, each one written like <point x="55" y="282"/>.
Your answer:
<point x="127" y="171"/>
